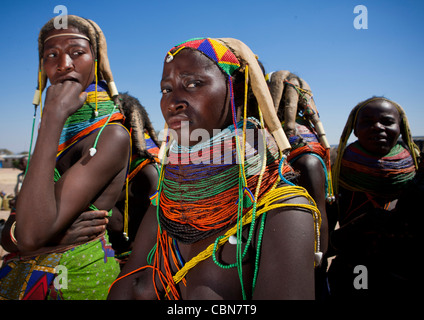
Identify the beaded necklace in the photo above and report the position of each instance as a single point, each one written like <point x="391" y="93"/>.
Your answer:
<point x="85" y="121"/>
<point x="385" y="176"/>
<point x="199" y="200"/>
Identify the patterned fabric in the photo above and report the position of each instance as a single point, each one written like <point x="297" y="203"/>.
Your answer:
<point x="215" y="50"/>
<point x="28" y="279"/>
<point x="83" y="273"/>
<point x="151" y="145"/>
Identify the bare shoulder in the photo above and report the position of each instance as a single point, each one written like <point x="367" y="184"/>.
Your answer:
<point x="287" y="252"/>
<point x="114" y="140"/>
<point x="117" y="133"/>
<point x="290" y="218"/>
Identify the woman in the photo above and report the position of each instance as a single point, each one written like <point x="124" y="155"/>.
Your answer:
<point x="73" y="167"/>
<point x="213" y="233"/>
<point x="370" y="176"/>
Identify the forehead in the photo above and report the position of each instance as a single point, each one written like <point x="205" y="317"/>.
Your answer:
<point x="189" y="61"/>
<point x="378" y="108"/>
<point x="65" y="38"/>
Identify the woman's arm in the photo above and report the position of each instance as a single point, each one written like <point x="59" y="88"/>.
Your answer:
<point x="45" y="209"/>
<point x="87" y="226"/>
<point x="286" y="269"/>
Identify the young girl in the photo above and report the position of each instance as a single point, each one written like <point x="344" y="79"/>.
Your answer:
<point x="79" y="161"/>
<point x="370" y="175"/>
<point x="226" y="223"/>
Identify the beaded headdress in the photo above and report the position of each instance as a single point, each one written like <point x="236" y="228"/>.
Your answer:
<point x="213" y="49"/>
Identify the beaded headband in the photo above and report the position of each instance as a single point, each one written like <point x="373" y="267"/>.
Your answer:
<point x="213" y="49"/>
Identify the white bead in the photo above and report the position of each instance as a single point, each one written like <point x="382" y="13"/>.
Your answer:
<point x="96" y="113"/>
<point x="318" y="258"/>
<point x="169" y="58"/>
<point x="92" y="151"/>
<point x="232" y="239"/>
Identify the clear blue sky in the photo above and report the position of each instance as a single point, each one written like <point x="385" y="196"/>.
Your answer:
<point x="315" y="39"/>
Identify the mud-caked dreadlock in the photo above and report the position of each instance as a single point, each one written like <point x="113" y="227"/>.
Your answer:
<point x="138" y="120"/>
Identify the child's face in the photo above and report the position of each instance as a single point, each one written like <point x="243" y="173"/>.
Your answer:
<point x="194" y="96"/>
<point x="68" y="58"/>
<point x="378" y="127"/>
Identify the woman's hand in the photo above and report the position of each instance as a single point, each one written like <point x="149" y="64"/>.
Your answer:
<point x="86" y="227"/>
<point x="65" y="98"/>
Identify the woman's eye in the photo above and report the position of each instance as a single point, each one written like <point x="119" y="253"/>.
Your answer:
<point x="193" y="84"/>
<point x="78" y="53"/>
<point x="164" y="91"/>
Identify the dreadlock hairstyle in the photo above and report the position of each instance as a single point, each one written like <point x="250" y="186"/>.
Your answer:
<point x="350" y="126"/>
<point x="137" y="119"/>
<point x="296" y="109"/>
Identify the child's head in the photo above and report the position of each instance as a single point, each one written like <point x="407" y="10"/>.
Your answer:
<point x="378" y="125"/>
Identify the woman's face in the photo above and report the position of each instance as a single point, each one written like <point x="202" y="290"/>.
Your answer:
<point x="194" y="97"/>
<point x="68" y="58"/>
<point x="378" y="127"/>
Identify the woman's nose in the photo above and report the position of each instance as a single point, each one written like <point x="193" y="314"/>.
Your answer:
<point x="177" y="103"/>
<point x="65" y="63"/>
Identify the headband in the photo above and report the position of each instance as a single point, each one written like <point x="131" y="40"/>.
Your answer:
<point x="76" y="35"/>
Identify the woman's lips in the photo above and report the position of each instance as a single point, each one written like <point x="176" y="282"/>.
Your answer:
<point x="67" y="78"/>
<point x="176" y="123"/>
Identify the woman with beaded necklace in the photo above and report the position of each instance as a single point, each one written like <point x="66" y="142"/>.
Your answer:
<point x="226" y="221"/>
<point x="73" y="167"/>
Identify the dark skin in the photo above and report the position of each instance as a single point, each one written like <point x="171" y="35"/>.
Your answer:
<point x="46" y="210"/>
<point x="287" y="248"/>
<point x="378" y="127"/>
<point x="312" y="178"/>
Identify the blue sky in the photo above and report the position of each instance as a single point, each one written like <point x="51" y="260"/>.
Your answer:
<point x="314" y="39"/>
